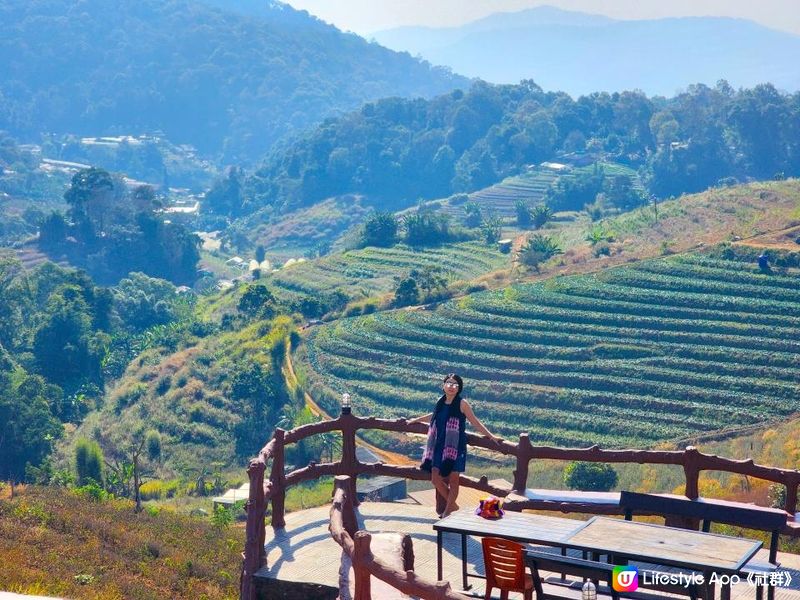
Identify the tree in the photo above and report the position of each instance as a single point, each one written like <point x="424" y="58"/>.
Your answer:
<point x="257" y="399"/>
<point x="523" y="213"/>
<point x="27" y="425"/>
<point x="406" y="293"/>
<point x="590" y="476"/>
<point x="90" y="196"/>
<point x="472" y="210"/>
<point x="130" y="464"/>
<point x="88" y="462"/>
<point x="226" y="196"/>
<point x="380" y="229"/>
<point x="142" y="301"/>
<point x="52" y="230"/>
<point x="492" y="229"/>
<point x="425" y="228"/>
<point x="258" y="302"/>
<point x="66" y="349"/>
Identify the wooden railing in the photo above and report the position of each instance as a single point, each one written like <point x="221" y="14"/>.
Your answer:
<point x="356" y="544"/>
<point x="273" y="489"/>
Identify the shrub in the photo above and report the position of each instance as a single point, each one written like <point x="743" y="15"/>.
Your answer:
<point x="538" y="249"/>
<point x="93" y="491"/>
<point x="88" y="462"/>
<point x="590" y="476"/>
<point x="601" y="249"/>
<point x="540" y="215"/>
<point x="524" y="216"/>
<point x="222" y="517"/>
<point x="777" y="495"/>
<point x="380" y="229"/>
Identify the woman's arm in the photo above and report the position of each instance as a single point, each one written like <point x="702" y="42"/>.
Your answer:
<point x="422" y="418"/>
<point x="476" y="422"/>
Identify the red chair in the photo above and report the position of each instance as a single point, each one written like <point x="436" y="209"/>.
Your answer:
<point x="505" y="568"/>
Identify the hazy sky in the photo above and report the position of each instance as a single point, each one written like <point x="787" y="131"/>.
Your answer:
<point x="368" y="16"/>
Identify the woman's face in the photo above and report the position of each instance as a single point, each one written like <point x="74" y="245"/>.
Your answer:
<point x="450" y="387"/>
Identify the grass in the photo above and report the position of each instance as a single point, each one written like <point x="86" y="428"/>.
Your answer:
<point x="58" y="543"/>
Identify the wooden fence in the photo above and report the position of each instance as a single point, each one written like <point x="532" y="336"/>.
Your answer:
<point x="356" y="544"/>
<point x="273" y="489"/>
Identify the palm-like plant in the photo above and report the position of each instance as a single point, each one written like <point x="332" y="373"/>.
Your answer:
<point x="538" y="249"/>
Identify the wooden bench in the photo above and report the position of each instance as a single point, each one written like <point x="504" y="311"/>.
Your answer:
<point x="593" y="570"/>
<point x="708" y="511"/>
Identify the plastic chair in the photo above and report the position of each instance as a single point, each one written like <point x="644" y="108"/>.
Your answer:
<point x="505" y="568"/>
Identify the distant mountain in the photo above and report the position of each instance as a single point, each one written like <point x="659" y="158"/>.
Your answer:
<point x="581" y="53"/>
<point x="230" y="80"/>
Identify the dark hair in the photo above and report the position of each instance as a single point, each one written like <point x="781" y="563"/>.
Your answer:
<point x="458" y="379"/>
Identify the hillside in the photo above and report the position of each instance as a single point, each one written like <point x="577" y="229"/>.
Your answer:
<point x="583" y="53"/>
<point x="367" y="272"/>
<point x="211" y="399"/>
<point x="58" y="542"/>
<point x="228" y="83"/>
<point x="394" y="152"/>
<point x="631" y="356"/>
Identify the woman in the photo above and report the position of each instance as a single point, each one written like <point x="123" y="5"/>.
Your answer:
<point x="446" y="450"/>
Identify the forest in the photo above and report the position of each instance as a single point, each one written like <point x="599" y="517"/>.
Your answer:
<point x="399" y="150"/>
<point x="230" y="84"/>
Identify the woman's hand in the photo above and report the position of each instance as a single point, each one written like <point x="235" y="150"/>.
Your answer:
<point x="419" y="419"/>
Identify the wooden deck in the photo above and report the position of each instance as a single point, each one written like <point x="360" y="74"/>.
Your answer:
<point x="305" y="552"/>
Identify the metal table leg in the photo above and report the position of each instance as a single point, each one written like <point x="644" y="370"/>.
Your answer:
<point x="439" y="555"/>
<point x="465" y="585"/>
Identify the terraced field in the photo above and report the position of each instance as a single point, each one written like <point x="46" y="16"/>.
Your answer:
<point x="372" y="270"/>
<point x="632" y="356"/>
<point x="530" y="187"/>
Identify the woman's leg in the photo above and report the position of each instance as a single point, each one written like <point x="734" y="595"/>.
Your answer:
<point x="442" y="489"/>
<point x="452" y="496"/>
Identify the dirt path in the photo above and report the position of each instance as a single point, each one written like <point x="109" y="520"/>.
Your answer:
<point x="384" y="455"/>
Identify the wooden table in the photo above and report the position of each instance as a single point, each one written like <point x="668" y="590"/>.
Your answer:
<point x="520" y="527"/>
<point x="669" y="546"/>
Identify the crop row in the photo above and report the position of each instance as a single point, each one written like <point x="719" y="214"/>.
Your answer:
<point x="664" y="349"/>
<point x="520" y="343"/>
<point x="418" y="389"/>
<point x="538" y="295"/>
<point x="572" y="416"/>
<point x="538" y="364"/>
<point x="552" y="374"/>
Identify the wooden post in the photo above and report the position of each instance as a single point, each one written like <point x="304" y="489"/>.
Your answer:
<point x="278" y="479"/>
<point x="790" y="505"/>
<point x="349" y="460"/>
<point x="523" y="458"/>
<point x="349" y="521"/>
<point x="361" y="556"/>
<point x="254" y="532"/>
<point x="691" y="469"/>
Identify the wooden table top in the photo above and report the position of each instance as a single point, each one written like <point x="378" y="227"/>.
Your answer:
<point x="664" y="545"/>
<point x="522" y="527"/>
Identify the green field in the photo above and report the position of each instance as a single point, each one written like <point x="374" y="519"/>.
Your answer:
<point x="633" y="356"/>
<point x="371" y="271"/>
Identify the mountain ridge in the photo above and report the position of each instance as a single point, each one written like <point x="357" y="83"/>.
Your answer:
<point x="227" y="83"/>
<point x="658" y="56"/>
